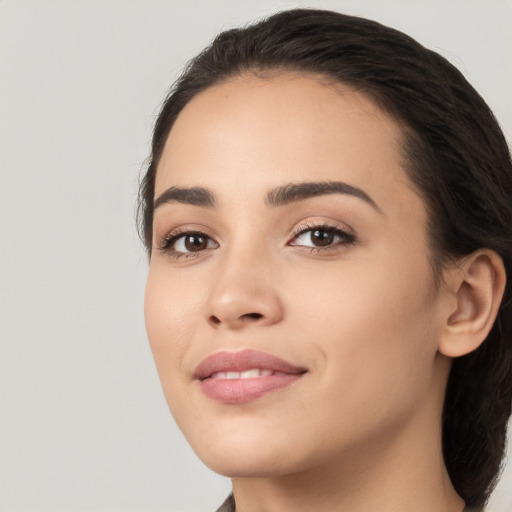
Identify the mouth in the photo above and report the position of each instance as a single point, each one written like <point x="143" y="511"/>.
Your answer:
<point x="253" y="373"/>
<point x="241" y="377"/>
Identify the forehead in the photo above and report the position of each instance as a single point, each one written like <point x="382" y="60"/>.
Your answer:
<point x="250" y="134"/>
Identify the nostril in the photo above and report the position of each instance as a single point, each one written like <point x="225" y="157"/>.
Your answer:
<point x="248" y="317"/>
<point x="256" y="316"/>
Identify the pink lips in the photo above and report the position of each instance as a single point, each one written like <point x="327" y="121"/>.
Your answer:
<point x="241" y="377"/>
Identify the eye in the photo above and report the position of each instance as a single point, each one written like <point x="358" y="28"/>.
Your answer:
<point x="322" y="237"/>
<point x="187" y="243"/>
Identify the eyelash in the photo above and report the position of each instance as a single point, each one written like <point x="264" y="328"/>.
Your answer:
<point x="346" y="239"/>
<point x="168" y="242"/>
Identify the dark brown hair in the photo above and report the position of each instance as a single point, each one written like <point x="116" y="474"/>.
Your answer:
<point x="455" y="154"/>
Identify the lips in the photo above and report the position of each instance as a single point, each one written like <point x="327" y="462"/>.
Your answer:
<point x="241" y="377"/>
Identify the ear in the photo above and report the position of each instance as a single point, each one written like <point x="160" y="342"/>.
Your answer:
<point x="475" y="288"/>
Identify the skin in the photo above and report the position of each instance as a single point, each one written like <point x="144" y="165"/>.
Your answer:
<point x="360" y="431"/>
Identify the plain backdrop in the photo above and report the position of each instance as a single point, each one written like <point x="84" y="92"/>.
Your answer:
<point x="83" y="424"/>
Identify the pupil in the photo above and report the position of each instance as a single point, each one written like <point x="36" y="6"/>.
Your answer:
<point x="195" y="243"/>
<point x="321" y="238"/>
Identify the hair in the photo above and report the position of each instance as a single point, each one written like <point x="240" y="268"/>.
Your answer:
<point x="454" y="153"/>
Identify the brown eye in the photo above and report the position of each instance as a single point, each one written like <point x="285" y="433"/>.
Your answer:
<point x="187" y="243"/>
<point x="319" y="237"/>
<point x="322" y="237"/>
<point x="196" y="242"/>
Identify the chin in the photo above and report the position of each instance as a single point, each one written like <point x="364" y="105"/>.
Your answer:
<point x="245" y="465"/>
<point x="249" y="455"/>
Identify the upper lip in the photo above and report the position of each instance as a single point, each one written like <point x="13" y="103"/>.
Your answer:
<point x="243" y="360"/>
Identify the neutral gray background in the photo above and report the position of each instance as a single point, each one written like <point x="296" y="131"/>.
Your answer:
<point x="83" y="424"/>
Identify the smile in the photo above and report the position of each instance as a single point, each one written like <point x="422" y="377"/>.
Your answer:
<point x="241" y="377"/>
<point x="253" y="373"/>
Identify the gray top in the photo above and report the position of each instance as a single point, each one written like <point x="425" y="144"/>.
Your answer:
<point x="229" y="506"/>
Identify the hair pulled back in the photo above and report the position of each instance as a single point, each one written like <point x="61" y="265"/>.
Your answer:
<point x="455" y="154"/>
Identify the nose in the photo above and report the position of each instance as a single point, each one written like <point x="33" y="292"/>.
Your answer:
<point x="244" y="294"/>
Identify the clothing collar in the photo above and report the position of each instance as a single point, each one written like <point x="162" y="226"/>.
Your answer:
<point x="229" y="506"/>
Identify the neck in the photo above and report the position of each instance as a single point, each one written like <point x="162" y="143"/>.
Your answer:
<point x="417" y="481"/>
<point x="400" y="471"/>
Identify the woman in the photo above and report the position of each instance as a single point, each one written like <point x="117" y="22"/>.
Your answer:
<point x="328" y="218"/>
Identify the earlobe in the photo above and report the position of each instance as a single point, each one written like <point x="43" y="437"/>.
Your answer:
<point x="476" y="284"/>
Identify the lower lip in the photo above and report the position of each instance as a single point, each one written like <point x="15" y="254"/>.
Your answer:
<point x="241" y="391"/>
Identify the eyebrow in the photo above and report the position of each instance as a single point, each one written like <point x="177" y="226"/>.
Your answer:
<point x="279" y="196"/>
<point x="196" y="196"/>
<point x="292" y="192"/>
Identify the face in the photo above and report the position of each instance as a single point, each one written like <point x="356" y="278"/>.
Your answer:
<point x="290" y="305"/>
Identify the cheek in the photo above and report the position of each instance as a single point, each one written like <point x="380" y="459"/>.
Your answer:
<point x="367" y="294"/>
<point x="168" y="312"/>
<point x="376" y="334"/>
